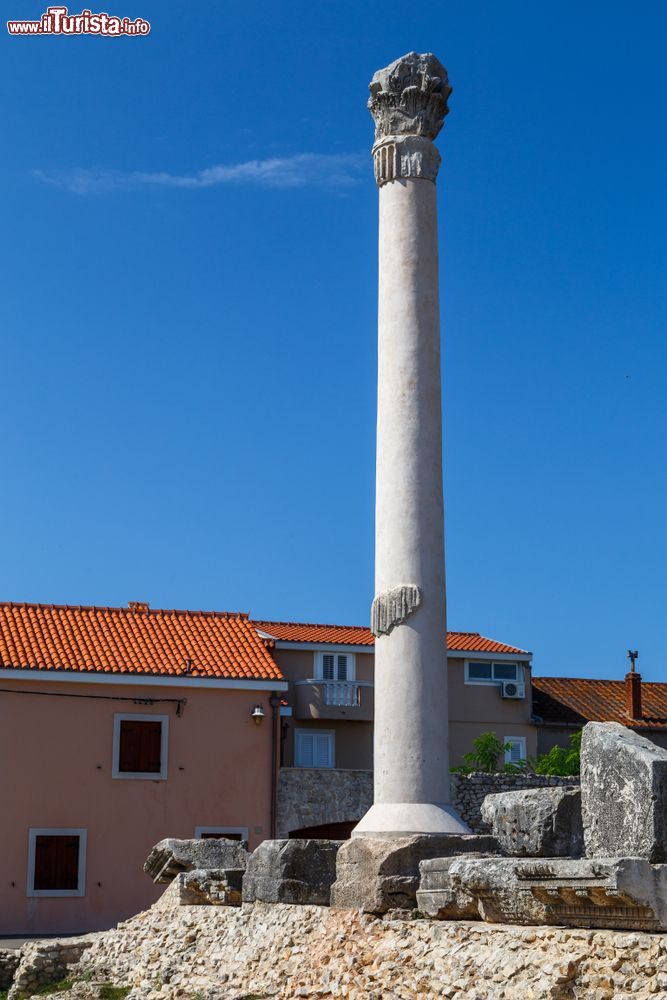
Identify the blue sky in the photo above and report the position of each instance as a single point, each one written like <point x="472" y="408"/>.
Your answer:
<point x="188" y="310"/>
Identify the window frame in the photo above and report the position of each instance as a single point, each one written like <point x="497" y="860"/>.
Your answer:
<point x="319" y="665"/>
<point x="160" y="775"/>
<point x="222" y="830"/>
<point x="518" y="679"/>
<point x="316" y="732"/>
<point x="38" y="831"/>
<point x="521" y="740"/>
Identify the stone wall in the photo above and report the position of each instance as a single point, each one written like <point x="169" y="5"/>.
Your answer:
<point x="283" y="951"/>
<point x="9" y="960"/>
<point x="43" y="962"/>
<point x="470" y="790"/>
<point x="315" y="797"/>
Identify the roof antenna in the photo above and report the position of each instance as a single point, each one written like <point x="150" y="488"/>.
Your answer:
<point x="632" y="656"/>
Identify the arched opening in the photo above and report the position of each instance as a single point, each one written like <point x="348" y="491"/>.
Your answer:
<point x="327" y="831"/>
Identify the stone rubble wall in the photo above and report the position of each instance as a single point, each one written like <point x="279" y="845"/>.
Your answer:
<point x="318" y="796"/>
<point x="43" y="962"/>
<point x="9" y="960"/>
<point x="271" y="950"/>
<point x="470" y="790"/>
<point x="309" y="796"/>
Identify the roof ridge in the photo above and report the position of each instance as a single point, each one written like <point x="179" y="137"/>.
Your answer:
<point x="275" y="621"/>
<point x="124" y="610"/>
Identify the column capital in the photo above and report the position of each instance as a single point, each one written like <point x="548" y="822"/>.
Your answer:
<point x="409" y="97"/>
<point x="408" y="103"/>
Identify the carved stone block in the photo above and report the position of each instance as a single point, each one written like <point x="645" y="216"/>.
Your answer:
<point x="209" y="887"/>
<point x="291" y="871"/>
<point x="536" y="822"/>
<point x="623" y="793"/>
<point x="171" y="856"/>
<point x="376" y="874"/>
<point x="615" y="893"/>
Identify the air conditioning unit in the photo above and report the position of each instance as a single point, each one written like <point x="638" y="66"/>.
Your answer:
<point x="512" y="689"/>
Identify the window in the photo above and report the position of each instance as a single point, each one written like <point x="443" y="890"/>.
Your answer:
<point x="56" y="862"/>
<point x="313" y="748"/>
<point x="228" y="832"/>
<point x="479" y="672"/>
<point x="140" y="746"/>
<point x="516" y="751"/>
<point x="334" y="666"/>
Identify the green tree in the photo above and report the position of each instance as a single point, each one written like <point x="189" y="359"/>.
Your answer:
<point x="561" y="760"/>
<point x="487" y="751"/>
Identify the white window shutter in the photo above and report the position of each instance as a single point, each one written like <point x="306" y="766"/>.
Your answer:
<point x="516" y="749"/>
<point x="328" y="667"/>
<point x="305" y="749"/>
<point x="323" y="750"/>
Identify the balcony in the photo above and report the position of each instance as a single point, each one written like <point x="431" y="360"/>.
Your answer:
<point x="320" y="699"/>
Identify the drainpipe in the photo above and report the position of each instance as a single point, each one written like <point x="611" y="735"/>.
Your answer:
<point x="274" y="701"/>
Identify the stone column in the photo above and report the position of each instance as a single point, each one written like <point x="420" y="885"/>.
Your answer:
<point x="411" y="792"/>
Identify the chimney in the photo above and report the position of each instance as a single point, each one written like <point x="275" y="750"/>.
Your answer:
<point x="138" y="605"/>
<point x="633" y="689"/>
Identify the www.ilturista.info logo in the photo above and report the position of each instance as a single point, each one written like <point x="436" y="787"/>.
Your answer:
<point x="58" y="21"/>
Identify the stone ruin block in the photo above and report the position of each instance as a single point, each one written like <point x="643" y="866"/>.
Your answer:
<point x="209" y="887"/>
<point x="536" y="822"/>
<point x="614" y="893"/>
<point x="291" y="871"/>
<point x="435" y="896"/>
<point x="623" y="793"/>
<point x="377" y="874"/>
<point x="172" y="856"/>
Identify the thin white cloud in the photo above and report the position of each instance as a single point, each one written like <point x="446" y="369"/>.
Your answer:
<point x="297" y="171"/>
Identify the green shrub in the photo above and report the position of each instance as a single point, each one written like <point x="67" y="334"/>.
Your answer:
<point x="487" y="751"/>
<point x="561" y="760"/>
<point x="62" y="986"/>
<point x="109" y="992"/>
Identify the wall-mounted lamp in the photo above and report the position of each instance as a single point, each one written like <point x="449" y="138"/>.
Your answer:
<point x="257" y="714"/>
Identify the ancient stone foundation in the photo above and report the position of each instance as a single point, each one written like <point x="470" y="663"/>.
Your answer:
<point x="175" y="952"/>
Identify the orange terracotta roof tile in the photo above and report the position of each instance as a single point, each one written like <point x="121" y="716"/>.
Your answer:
<point x="360" y="635"/>
<point x="576" y="701"/>
<point x="133" y="640"/>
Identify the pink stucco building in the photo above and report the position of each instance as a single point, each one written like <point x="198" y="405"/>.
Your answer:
<point x="119" y="727"/>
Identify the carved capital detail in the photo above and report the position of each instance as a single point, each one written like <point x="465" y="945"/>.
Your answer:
<point x="398" y="156"/>
<point x="409" y="97"/>
<point x="393" y="607"/>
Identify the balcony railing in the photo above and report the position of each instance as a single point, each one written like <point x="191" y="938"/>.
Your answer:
<point x="342" y="694"/>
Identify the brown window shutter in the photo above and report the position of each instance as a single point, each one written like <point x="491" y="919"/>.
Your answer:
<point x="221" y="836"/>
<point x="56" y="862"/>
<point x="140" y="747"/>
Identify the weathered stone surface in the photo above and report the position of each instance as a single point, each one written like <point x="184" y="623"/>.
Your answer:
<point x="9" y="960"/>
<point x="435" y="896"/>
<point x="309" y="796"/>
<point x="209" y="887"/>
<point x="393" y="607"/>
<point x="409" y="97"/>
<point x="291" y="871"/>
<point x="376" y="874"/>
<point x="536" y="823"/>
<point x="43" y="962"/>
<point x="470" y="790"/>
<point x="623" y="793"/>
<point x="316" y="796"/>
<point x="624" y="893"/>
<point x="181" y="952"/>
<point x="172" y="856"/>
